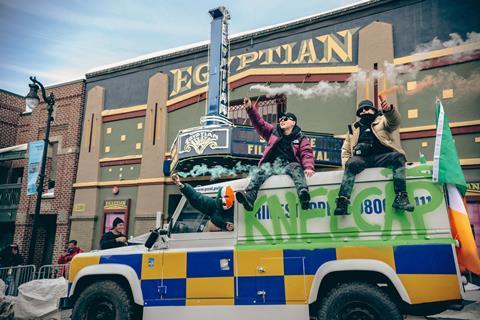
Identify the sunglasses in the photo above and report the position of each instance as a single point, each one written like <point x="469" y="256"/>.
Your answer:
<point x="285" y="118"/>
<point x="366" y="109"/>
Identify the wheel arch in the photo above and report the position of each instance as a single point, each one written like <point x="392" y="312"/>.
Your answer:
<point x="325" y="272"/>
<point x="116" y="272"/>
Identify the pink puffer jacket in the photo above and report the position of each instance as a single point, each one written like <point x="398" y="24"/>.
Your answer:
<point x="301" y="146"/>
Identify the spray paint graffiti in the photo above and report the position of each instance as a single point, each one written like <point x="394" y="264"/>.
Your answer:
<point x="275" y="219"/>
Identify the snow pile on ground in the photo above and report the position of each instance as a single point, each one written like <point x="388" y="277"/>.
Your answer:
<point x="6" y="303"/>
<point x="39" y="298"/>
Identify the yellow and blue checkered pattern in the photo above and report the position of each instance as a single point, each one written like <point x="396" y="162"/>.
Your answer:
<point x="428" y="273"/>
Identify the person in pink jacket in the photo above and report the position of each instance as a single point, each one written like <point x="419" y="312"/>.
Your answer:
<point x="288" y="151"/>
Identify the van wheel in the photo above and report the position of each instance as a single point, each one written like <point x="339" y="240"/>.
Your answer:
<point x="104" y="300"/>
<point x="360" y="301"/>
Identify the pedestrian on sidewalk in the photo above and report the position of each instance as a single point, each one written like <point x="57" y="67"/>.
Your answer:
<point x="115" y="237"/>
<point x="72" y="250"/>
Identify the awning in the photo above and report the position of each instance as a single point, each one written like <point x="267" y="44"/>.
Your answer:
<point x="14" y="152"/>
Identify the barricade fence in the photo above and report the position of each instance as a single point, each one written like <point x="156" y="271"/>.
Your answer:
<point x="13" y="277"/>
<point x="53" y="271"/>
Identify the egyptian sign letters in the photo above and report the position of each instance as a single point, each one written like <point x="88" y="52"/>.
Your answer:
<point x="320" y="50"/>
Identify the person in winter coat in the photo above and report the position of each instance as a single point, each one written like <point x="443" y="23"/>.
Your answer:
<point x="10" y="256"/>
<point x="220" y="209"/>
<point x="72" y="250"/>
<point x="287" y="148"/>
<point x="115" y="237"/>
<point x="373" y="141"/>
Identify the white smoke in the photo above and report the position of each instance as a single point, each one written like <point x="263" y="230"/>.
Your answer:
<point x="454" y="41"/>
<point x="218" y="171"/>
<point x="322" y="89"/>
<point x="394" y="76"/>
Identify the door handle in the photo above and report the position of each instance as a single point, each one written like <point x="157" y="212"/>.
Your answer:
<point x="261" y="269"/>
<point x="162" y="290"/>
<point x="262" y="293"/>
<point x="225" y="264"/>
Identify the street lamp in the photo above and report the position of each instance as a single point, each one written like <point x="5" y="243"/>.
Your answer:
<point x="32" y="102"/>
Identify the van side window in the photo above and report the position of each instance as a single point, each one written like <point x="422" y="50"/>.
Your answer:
<point x="190" y="220"/>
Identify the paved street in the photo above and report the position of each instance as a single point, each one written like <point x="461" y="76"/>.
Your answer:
<point x="469" y="312"/>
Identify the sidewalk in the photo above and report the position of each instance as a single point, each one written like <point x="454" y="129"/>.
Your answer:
<point x="469" y="312"/>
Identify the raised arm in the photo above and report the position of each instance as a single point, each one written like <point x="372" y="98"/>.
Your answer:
<point x="263" y="128"/>
<point x="200" y="202"/>
<point x="391" y="115"/>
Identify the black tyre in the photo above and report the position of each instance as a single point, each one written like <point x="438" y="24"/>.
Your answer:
<point x="104" y="300"/>
<point x="358" y="301"/>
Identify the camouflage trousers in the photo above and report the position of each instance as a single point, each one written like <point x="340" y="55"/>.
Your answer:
<point x="357" y="164"/>
<point x="261" y="174"/>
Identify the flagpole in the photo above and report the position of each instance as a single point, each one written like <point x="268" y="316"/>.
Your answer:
<point x="438" y="138"/>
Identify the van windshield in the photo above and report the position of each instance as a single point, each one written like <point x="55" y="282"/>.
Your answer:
<point x="190" y="220"/>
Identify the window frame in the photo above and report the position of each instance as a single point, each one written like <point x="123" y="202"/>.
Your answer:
<point x="223" y="235"/>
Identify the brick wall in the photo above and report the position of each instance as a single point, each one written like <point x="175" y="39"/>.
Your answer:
<point x="11" y="106"/>
<point x="65" y="130"/>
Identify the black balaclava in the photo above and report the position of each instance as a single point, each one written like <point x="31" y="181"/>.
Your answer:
<point x="367" y="119"/>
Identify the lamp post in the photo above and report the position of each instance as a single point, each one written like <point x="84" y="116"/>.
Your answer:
<point x="32" y="101"/>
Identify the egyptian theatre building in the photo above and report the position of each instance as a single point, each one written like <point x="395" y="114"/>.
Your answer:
<point x="143" y="116"/>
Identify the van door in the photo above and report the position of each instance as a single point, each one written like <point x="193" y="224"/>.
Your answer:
<point x="270" y="281"/>
<point x="269" y="277"/>
<point x="151" y="279"/>
<point x="201" y="263"/>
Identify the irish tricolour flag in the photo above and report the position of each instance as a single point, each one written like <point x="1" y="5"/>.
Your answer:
<point x="446" y="169"/>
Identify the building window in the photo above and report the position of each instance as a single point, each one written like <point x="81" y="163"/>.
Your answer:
<point x="16" y="175"/>
<point x="412" y="113"/>
<point x="268" y="107"/>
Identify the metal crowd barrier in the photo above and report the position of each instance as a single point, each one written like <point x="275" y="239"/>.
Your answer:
<point x="53" y="271"/>
<point x="15" y="276"/>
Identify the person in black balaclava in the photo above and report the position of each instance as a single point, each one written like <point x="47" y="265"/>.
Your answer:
<point x="371" y="142"/>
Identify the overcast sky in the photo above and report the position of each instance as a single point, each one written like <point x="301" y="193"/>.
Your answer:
<point x="60" y="40"/>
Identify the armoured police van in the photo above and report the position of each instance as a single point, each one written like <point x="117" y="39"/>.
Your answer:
<point x="282" y="262"/>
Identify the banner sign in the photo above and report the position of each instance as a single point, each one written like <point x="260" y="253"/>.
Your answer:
<point x="35" y="152"/>
<point x="326" y="149"/>
<point x="204" y="142"/>
<point x="244" y="143"/>
<point x="218" y="62"/>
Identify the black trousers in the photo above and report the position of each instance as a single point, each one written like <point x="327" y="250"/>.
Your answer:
<point x="357" y="164"/>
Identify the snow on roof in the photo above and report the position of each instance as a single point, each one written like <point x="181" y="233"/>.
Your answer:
<point x="171" y="51"/>
<point x="148" y="56"/>
<point x="62" y="83"/>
